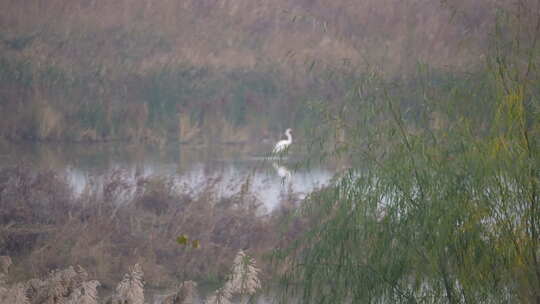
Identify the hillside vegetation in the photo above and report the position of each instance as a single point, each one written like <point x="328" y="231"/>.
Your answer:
<point x="168" y="70"/>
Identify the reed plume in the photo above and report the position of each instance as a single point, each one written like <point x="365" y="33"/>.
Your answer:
<point x="220" y="296"/>
<point x="131" y="289"/>
<point x="244" y="280"/>
<point x="186" y="293"/>
<point x="244" y="277"/>
<point x="15" y="294"/>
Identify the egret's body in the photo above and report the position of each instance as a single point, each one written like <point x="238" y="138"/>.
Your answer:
<point x="282" y="145"/>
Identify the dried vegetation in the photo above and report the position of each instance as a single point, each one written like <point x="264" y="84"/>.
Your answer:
<point x="123" y="221"/>
<point x="71" y="286"/>
<point x="158" y="70"/>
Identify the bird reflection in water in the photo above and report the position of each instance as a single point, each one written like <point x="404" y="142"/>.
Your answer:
<point x="283" y="172"/>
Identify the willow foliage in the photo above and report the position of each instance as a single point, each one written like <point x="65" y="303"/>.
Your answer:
<point x="440" y="205"/>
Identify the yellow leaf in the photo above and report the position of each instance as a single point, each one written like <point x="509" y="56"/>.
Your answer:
<point x="196" y="244"/>
<point x="182" y="239"/>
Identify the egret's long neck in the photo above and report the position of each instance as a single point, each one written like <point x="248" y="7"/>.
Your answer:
<point x="289" y="136"/>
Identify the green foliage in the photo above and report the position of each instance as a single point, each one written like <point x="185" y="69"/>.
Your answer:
<point x="451" y="221"/>
<point x="440" y="201"/>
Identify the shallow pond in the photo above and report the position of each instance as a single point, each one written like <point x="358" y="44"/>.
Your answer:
<point x="228" y="166"/>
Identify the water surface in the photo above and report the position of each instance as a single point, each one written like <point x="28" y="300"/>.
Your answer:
<point x="191" y="166"/>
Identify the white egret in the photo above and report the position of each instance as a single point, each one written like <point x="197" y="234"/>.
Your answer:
<point x="282" y="145"/>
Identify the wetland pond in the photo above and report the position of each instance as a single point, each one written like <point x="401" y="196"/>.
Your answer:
<point x="228" y="167"/>
<point x="190" y="166"/>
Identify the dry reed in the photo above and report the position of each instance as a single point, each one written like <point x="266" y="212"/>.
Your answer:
<point x="121" y="221"/>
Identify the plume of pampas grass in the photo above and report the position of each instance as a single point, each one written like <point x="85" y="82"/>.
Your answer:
<point x="15" y="294"/>
<point x="5" y="263"/>
<point x="68" y="286"/>
<point x="57" y="287"/>
<point x="244" y="280"/>
<point x="186" y="293"/>
<point x="5" y="291"/>
<point x="245" y="275"/>
<point x="131" y="289"/>
<point x="220" y="296"/>
<point x="85" y="294"/>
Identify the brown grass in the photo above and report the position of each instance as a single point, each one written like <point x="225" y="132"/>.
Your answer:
<point x="87" y="65"/>
<point x="121" y="222"/>
<point x="242" y="33"/>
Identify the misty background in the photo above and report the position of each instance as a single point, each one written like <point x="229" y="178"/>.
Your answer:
<point x="137" y="138"/>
